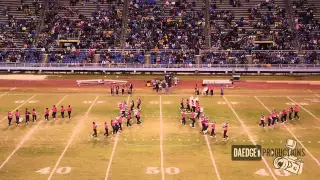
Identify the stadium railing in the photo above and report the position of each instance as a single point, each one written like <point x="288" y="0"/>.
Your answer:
<point x="167" y="66"/>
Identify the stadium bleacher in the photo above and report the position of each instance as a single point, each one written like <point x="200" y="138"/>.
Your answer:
<point x="160" y="32"/>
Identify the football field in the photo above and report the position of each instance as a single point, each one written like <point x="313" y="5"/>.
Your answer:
<point x="159" y="148"/>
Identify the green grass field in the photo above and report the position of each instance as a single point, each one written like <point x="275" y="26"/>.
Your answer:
<point x="159" y="148"/>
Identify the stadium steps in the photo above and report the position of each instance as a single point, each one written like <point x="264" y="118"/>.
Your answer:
<point x="45" y="58"/>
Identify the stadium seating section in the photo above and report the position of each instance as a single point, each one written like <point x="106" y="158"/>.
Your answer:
<point x="160" y="31"/>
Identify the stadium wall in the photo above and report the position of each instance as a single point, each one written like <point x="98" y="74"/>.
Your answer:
<point x="219" y="69"/>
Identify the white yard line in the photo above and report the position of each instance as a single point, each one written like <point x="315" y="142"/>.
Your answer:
<point x="250" y="137"/>
<point x="161" y="139"/>
<point x="74" y="133"/>
<point x="111" y="156"/>
<point x="212" y="159"/>
<point x="26" y="137"/>
<point x="292" y="135"/>
<point x="113" y="150"/>
<point x="210" y="152"/>
<point x="4" y="118"/>
<point x="313" y="93"/>
<point x="7" y="92"/>
<point x="303" y="108"/>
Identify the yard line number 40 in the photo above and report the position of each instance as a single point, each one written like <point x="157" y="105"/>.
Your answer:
<point x="156" y="170"/>
<point x="60" y="170"/>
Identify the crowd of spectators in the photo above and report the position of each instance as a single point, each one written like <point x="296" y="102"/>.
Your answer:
<point x="232" y="34"/>
<point x="20" y="56"/>
<point x="19" y="28"/>
<point x="155" y="26"/>
<point x="307" y="26"/>
<point x="173" y="57"/>
<point x="171" y="25"/>
<point x="228" y="57"/>
<point x="108" y="57"/>
<point x="275" y="57"/>
<point x="101" y="30"/>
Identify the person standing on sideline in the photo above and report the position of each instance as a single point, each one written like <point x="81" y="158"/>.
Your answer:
<point x="122" y="90"/>
<point x="62" y="111"/>
<point x="213" y="127"/>
<point x="117" y="90"/>
<point x="183" y="116"/>
<point x="69" y="111"/>
<point x="34" y="115"/>
<point x="262" y="119"/>
<point x="130" y="88"/>
<point x="225" y="131"/>
<point x="222" y="91"/>
<point x="94" y="127"/>
<point x="9" y="118"/>
<point x="27" y="114"/>
<point x="106" y="129"/>
<point x="46" y="114"/>
<point x="211" y="91"/>
<point x="111" y="90"/>
<point x="54" y="112"/>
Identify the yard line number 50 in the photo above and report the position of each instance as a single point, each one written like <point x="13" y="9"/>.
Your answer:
<point x="156" y="170"/>
<point x="60" y="170"/>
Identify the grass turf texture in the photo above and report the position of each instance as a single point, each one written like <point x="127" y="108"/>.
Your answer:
<point x="137" y="153"/>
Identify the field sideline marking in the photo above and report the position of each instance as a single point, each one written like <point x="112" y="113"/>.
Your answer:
<point x="161" y="137"/>
<point x="210" y="153"/>
<point x="18" y="107"/>
<point x="75" y="131"/>
<point x="313" y="93"/>
<point x="7" y="92"/>
<point x="291" y="134"/>
<point x="303" y="108"/>
<point x="113" y="150"/>
<point x="26" y="137"/>
<point x="250" y="136"/>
